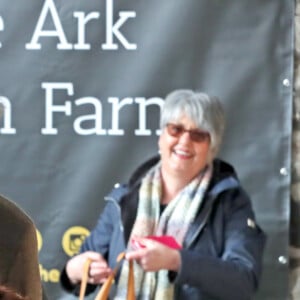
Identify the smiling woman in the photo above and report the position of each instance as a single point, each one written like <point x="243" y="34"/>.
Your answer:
<point x="193" y="126"/>
<point x="177" y="195"/>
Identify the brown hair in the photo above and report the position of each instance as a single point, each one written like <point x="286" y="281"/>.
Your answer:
<point x="7" y="293"/>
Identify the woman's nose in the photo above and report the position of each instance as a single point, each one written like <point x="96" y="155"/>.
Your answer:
<point x="185" y="137"/>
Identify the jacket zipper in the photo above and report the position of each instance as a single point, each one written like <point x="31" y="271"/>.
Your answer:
<point x="202" y="224"/>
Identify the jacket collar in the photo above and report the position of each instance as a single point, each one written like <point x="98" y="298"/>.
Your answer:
<point x="221" y="171"/>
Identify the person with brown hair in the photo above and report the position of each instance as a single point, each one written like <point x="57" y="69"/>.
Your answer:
<point x="19" y="265"/>
<point x="9" y="294"/>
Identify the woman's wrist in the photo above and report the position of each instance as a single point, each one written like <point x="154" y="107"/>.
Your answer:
<point x="175" y="261"/>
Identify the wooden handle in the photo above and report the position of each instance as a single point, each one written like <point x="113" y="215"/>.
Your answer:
<point x="130" y="284"/>
<point x="105" y="289"/>
<point x="84" y="280"/>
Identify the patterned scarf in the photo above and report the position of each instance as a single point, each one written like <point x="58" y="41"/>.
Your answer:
<point x="175" y="221"/>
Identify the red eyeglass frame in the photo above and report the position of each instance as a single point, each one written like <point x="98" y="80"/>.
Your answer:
<point x="196" y="135"/>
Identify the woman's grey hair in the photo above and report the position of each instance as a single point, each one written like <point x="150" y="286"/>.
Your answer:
<point x="204" y="110"/>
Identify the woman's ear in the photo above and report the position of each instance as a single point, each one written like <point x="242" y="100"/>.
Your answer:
<point x="211" y="155"/>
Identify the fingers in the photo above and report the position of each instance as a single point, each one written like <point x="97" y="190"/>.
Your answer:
<point x="97" y="276"/>
<point x="94" y="256"/>
<point x="145" y="256"/>
<point x="155" y="256"/>
<point x="136" y="254"/>
<point x="95" y="265"/>
<point x="97" y="270"/>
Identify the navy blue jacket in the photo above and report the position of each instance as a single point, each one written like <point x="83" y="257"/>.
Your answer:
<point x="222" y="251"/>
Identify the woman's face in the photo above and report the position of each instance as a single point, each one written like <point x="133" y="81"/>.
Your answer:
<point x="181" y="156"/>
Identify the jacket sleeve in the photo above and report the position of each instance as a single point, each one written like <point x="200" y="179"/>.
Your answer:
<point x="99" y="241"/>
<point x="234" y="275"/>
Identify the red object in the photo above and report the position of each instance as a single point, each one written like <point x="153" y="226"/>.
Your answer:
<point x="167" y="240"/>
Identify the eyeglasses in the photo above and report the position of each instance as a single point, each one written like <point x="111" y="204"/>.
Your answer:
<point x="196" y="135"/>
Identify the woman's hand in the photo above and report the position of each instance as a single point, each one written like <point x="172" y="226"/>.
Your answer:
<point x="155" y="256"/>
<point x="98" y="271"/>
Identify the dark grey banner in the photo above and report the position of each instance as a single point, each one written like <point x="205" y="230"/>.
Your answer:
<point x="81" y="86"/>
